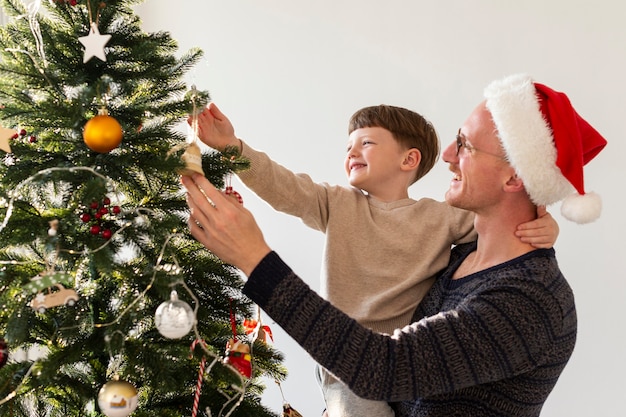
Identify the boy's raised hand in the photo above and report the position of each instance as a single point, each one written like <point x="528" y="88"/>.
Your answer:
<point x="214" y="128"/>
<point x="541" y="232"/>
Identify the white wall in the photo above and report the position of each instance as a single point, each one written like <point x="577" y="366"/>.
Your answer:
<point x="290" y="73"/>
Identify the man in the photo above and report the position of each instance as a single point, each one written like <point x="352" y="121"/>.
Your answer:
<point x="495" y="331"/>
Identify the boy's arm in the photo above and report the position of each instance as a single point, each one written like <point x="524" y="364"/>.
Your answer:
<point x="541" y="232"/>
<point x="214" y="129"/>
<point x="294" y="194"/>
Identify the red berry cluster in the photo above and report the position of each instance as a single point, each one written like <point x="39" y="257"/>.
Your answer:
<point x="99" y="216"/>
<point x="70" y="2"/>
<point x="22" y="134"/>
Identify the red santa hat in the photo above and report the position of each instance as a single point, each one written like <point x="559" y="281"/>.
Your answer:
<point x="547" y="143"/>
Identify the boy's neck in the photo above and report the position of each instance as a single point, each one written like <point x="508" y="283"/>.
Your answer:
<point x="389" y="197"/>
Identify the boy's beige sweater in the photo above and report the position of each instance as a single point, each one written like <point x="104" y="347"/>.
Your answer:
<point x="379" y="258"/>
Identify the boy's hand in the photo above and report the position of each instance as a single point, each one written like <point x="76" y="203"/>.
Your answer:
<point x="541" y="232"/>
<point x="214" y="129"/>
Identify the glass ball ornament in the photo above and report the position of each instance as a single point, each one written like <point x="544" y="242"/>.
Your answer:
<point x="174" y="318"/>
<point x="117" y="398"/>
<point x="102" y="133"/>
<point x="197" y="100"/>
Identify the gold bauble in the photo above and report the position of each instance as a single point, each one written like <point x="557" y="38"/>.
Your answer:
<point x="117" y="398"/>
<point x="102" y="133"/>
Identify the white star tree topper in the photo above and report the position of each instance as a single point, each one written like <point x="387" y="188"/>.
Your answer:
<point x="94" y="44"/>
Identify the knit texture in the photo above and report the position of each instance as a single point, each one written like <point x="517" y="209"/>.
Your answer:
<point x="379" y="257"/>
<point x="490" y="344"/>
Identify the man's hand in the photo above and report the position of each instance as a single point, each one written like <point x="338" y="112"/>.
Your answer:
<point x="223" y="225"/>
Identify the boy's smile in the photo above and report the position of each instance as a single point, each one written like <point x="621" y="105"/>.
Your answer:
<point x="373" y="162"/>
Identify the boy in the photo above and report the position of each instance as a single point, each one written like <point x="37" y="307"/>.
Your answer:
<point x="374" y="231"/>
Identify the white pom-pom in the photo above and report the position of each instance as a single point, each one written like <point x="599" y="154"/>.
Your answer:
<point x="582" y="208"/>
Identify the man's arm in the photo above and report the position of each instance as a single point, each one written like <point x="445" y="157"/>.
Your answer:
<point x="407" y="365"/>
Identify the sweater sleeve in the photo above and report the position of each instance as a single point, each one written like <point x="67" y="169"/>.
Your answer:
<point x="287" y="192"/>
<point x="462" y="225"/>
<point x="477" y="343"/>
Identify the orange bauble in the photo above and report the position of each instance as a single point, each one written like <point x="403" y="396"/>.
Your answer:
<point x="102" y="133"/>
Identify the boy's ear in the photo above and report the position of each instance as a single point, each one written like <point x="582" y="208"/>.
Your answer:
<point x="412" y="159"/>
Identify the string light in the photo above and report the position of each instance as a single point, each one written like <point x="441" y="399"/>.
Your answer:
<point x="13" y="393"/>
<point x="44" y="172"/>
<point x="233" y="400"/>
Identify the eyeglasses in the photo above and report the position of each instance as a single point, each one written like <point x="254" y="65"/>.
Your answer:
<point x="461" y="142"/>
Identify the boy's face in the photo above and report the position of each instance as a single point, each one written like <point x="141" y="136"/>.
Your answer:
<point x="373" y="161"/>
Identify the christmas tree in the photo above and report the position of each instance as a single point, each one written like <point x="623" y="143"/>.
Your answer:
<point x="97" y="269"/>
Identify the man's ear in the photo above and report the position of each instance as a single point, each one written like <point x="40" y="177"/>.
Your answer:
<point x="514" y="184"/>
<point x="412" y="159"/>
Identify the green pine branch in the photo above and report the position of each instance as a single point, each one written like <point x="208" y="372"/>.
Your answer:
<point x="51" y="179"/>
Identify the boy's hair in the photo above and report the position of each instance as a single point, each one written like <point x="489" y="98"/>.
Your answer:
<point x="409" y="128"/>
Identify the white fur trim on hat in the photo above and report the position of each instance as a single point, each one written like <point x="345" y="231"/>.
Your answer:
<point x="527" y="138"/>
<point x="582" y="208"/>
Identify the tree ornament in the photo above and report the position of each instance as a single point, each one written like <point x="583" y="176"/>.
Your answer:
<point x="100" y="216"/>
<point x="229" y="191"/>
<point x="193" y="160"/>
<point x="54" y="227"/>
<point x="5" y="135"/>
<point x="174" y="318"/>
<point x="196" y="396"/>
<point x="238" y="353"/>
<point x="4" y="353"/>
<point x="102" y="133"/>
<point x="55" y="296"/>
<point x="51" y="292"/>
<point x="70" y="2"/>
<point x="197" y="99"/>
<point x="289" y="411"/>
<point x="117" y="398"/>
<point x="258" y="330"/>
<point x="94" y="44"/>
<point x="238" y="356"/>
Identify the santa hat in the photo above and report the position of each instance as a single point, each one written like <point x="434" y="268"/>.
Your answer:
<point x="547" y="143"/>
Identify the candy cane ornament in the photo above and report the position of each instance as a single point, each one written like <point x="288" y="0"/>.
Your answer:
<point x="196" y="398"/>
<point x="229" y="191"/>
